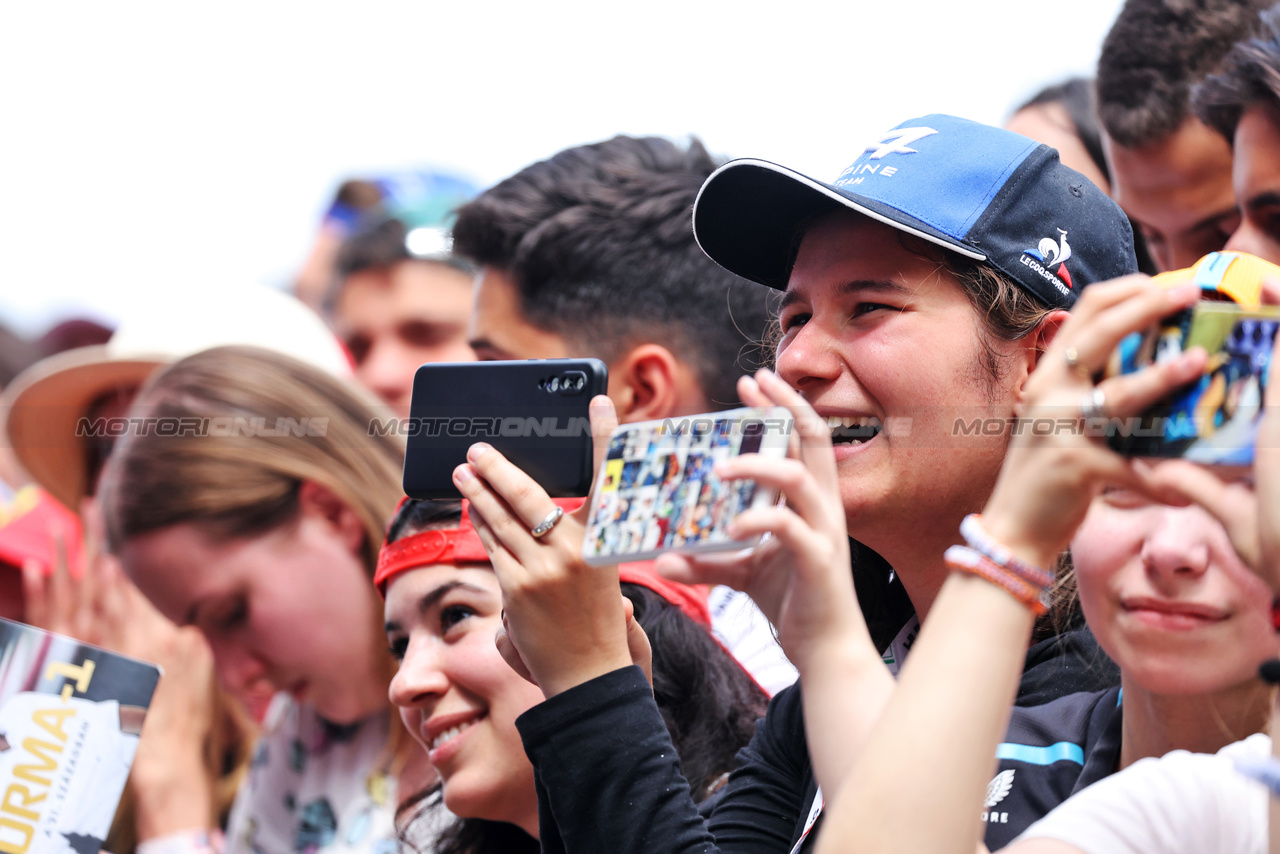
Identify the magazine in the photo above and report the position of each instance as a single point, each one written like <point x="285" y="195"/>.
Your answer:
<point x="70" y="715"/>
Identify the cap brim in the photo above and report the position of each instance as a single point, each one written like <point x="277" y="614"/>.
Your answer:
<point x="749" y="213"/>
<point x="41" y="407"/>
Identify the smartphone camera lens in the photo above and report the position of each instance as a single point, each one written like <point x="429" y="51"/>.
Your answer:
<point x="553" y="384"/>
<point x="572" y="382"/>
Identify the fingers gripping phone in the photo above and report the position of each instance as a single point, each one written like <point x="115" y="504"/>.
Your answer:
<point x="536" y="413"/>
<point x="657" y="492"/>
<point x="1213" y="420"/>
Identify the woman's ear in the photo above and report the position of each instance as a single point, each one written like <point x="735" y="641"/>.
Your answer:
<point x="317" y="501"/>
<point x="1041" y="337"/>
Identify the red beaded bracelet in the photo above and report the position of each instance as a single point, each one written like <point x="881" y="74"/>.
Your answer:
<point x="980" y="541"/>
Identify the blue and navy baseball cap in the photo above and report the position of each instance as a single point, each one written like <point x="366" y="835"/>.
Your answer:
<point x="985" y="193"/>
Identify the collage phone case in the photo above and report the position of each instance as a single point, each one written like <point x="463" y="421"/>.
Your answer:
<point x="658" y="493"/>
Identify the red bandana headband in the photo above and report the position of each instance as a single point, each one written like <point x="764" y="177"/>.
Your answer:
<point x="462" y="545"/>
<point x="449" y="545"/>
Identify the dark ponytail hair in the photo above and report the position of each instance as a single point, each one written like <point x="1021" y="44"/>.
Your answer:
<point x="708" y="702"/>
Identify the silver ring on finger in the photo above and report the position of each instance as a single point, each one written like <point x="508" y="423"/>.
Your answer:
<point x="1094" y="405"/>
<point x="544" y="527"/>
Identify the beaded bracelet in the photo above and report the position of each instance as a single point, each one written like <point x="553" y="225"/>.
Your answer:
<point x="980" y="541"/>
<point x="963" y="559"/>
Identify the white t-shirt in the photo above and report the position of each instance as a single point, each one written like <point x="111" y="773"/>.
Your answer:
<point x="748" y="636"/>
<point x="76" y="746"/>
<point x="1181" y="803"/>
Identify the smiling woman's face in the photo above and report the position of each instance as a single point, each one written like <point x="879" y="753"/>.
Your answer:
<point x="456" y="695"/>
<point x="1168" y="598"/>
<point x="875" y="332"/>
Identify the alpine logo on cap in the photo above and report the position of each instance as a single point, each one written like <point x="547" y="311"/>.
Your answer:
<point x="1049" y="258"/>
<point x="897" y="141"/>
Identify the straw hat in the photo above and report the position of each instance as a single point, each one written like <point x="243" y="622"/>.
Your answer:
<point x="40" y="409"/>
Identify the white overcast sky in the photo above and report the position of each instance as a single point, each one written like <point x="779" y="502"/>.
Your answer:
<point x="178" y="145"/>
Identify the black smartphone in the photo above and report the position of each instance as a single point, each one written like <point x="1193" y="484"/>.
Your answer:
<point x="535" y="412"/>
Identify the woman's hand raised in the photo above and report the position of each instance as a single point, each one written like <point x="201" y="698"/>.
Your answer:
<point x="565" y="622"/>
<point x="1050" y="476"/>
<point x="800" y="575"/>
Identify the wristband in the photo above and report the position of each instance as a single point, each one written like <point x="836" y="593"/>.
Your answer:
<point x="962" y="559"/>
<point x="980" y="541"/>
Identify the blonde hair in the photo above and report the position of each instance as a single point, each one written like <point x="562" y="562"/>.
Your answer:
<point x="225" y="439"/>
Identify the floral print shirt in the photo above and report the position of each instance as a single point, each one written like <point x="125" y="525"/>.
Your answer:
<point x="316" y="787"/>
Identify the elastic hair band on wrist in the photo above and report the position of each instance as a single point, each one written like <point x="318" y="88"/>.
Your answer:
<point x="980" y="541"/>
<point x="962" y="559"/>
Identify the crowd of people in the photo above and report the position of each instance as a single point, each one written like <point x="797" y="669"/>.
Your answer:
<point x="948" y="638"/>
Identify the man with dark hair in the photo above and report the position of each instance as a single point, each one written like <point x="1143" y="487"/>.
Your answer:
<point x="1170" y="172"/>
<point x="1243" y="104"/>
<point x="400" y="300"/>
<point x="591" y="254"/>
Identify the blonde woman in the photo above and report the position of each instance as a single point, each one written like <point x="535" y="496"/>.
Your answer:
<point x="253" y="509"/>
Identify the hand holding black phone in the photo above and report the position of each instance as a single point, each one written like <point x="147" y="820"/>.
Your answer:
<point x="536" y="413"/>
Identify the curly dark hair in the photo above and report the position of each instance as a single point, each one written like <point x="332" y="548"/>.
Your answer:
<point x="1155" y="52"/>
<point x="1250" y="75"/>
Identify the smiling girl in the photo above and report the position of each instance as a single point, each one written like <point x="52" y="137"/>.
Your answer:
<point x="460" y="699"/>
<point x="1161" y="586"/>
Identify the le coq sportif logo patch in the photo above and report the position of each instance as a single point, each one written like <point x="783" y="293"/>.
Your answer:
<point x="1049" y="258"/>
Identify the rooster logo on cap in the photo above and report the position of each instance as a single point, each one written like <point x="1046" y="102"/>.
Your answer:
<point x="1054" y="254"/>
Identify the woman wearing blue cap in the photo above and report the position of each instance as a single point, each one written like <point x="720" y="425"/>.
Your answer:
<point x="923" y="288"/>
<point x="1162" y="586"/>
